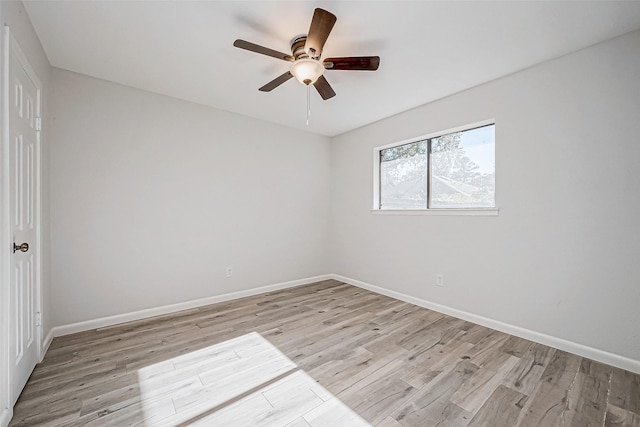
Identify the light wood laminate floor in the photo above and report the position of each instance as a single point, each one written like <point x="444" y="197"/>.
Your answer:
<point x="326" y="354"/>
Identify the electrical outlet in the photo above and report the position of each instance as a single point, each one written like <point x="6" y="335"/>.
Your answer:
<point x="229" y="271"/>
<point x="439" y="280"/>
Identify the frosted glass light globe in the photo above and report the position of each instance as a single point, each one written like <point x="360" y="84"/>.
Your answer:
<point x="307" y="70"/>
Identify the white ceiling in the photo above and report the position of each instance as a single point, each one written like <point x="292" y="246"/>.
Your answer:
<point x="428" y="49"/>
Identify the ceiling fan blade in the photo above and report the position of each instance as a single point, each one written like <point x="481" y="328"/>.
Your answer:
<point x="365" y="63"/>
<point x="324" y="88"/>
<point x="242" y="44"/>
<point x="276" y="82"/>
<point x="321" y="25"/>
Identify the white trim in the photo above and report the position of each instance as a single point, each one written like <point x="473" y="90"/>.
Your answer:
<point x="46" y="343"/>
<point x="559" y="343"/>
<point x="439" y="212"/>
<point x="376" y="179"/>
<point x="158" y="311"/>
<point x="5" y="416"/>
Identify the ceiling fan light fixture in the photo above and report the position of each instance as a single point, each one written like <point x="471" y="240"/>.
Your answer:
<point x="306" y="51"/>
<point x="307" y="70"/>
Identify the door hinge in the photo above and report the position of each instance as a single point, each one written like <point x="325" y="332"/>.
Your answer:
<point x="38" y="124"/>
<point x="38" y="318"/>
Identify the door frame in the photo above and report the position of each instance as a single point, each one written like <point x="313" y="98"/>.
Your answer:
<point x="13" y="52"/>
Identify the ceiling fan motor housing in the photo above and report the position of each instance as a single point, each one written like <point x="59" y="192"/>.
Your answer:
<point x="297" y="47"/>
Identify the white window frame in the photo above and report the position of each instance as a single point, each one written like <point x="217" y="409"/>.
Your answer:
<point x="430" y="211"/>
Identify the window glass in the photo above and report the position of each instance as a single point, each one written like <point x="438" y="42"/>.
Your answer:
<point x="463" y="169"/>
<point x="403" y="176"/>
<point x="454" y="170"/>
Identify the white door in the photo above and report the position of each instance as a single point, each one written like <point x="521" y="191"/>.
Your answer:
<point x="23" y="138"/>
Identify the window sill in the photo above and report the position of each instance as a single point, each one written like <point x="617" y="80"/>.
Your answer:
<point x="438" y="212"/>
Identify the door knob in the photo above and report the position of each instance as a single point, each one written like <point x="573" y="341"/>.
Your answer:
<point x="24" y="247"/>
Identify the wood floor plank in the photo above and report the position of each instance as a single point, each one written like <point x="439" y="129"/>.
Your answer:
<point x="618" y="417"/>
<point x="334" y="413"/>
<point x="501" y="409"/>
<point x="377" y="402"/>
<point x="549" y="403"/>
<point x="300" y="422"/>
<point x="389" y="422"/>
<point x="432" y="405"/>
<point x="323" y="354"/>
<point x="546" y="407"/>
<point x="338" y="375"/>
<point x="516" y="346"/>
<point x="377" y="395"/>
<point x="487" y="351"/>
<point x="524" y="376"/>
<point x="625" y="390"/>
<point x="475" y="392"/>
<point x="587" y="398"/>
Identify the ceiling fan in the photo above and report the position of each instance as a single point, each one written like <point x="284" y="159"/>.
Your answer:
<point x="306" y="51"/>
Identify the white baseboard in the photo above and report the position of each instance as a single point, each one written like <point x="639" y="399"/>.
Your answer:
<point x="5" y="417"/>
<point x="46" y="343"/>
<point x="559" y="343"/>
<point x="158" y="311"/>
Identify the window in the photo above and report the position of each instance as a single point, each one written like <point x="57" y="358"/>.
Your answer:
<point x="452" y="170"/>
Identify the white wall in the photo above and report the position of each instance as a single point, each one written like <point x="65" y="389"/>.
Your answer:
<point x="152" y="198"/>
<point x="562" y="258"/>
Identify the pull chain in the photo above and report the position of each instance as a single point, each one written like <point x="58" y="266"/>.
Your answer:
<point x="308" y="103"/>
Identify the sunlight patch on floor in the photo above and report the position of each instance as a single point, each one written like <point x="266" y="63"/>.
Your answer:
<point x="245" y="381"/>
